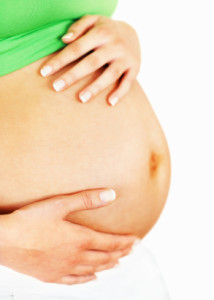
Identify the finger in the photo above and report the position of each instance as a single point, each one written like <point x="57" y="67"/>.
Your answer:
<point x="96" y="258"/>
<point x="84" y="200"/>
<point x="122" y="89"/>
<point x="86" y="66"/>
<point x="90" y="270"/>
<point x="80" y="27"/>
<point x="110" y="242"/>
<point x="74" y="279"/>
<point x="107" y="266"/>
<point x="60" y="206"/>
<point x="72" y="52"/>
<point x="109" y="76"/>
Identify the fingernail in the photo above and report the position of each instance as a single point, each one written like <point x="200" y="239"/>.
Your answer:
<point x="68" y="35"/>
<point x="107" y="196"/>
<point x="113" y="100"/>
<point x="46" y="70"/>
<point x="59" y="84"/>
<point x="85" y="96"/>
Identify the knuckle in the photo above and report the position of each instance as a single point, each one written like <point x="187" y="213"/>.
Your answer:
<point x="85" y="17"/>
<point x="127" y="85"/>
<point x="75" y="260"/>
<point x="91" y="270"/>
<point x="114" y="72"/>
<point x="70" y="28"/>
<point x="95" y="88"/>
<point x="71" y="76"/>
<point x="94" y="61"/>
<point x="87" y="200"/>
<point x="106" y="259"/>
<point x="113" y="263"/>
<point x="48" y="279"/>
<point x="74" y="27"/>
<point x="76" y="48"/>
<point x="119" y="47"/>
<point x="85" y="242"/>
<point x="115" y="245"/>
<point x="77" y="25"/>
<point x="58" y="62"/>
<point x="103" y="18"/>
<point x="103" y="32"/>
<point x="78" y="257"/>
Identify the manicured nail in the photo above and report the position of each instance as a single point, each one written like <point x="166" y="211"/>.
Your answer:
<point x="85" y="96"/>
<point x="113" y="100"/>
<point x="107" y="196"/>
<point x="46" y="71"/>
<point x="68" y="35"/>
<point x="59" y="84"/>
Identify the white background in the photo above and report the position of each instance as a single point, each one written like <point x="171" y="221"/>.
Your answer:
<point x="177" y="75"/>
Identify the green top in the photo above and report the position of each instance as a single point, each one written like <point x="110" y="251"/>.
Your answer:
<point x="32" y="29"/>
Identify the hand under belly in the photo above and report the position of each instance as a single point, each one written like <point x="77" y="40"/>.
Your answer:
<point x="52" y="144"/>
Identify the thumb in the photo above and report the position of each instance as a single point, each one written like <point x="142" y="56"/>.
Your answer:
<point x="84" y="200"/>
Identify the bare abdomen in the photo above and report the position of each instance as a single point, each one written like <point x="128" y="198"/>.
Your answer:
<point x="53" y="144"/>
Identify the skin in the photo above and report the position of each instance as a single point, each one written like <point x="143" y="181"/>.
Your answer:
<point x="112" y="42"/>
<point x="64" y="136"/>
<point x="73" y="254"/>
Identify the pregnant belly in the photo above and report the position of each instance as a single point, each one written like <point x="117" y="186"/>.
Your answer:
<point x="50" y="144"/>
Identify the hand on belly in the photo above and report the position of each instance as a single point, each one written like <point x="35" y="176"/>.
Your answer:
<point x="52" y="144"/>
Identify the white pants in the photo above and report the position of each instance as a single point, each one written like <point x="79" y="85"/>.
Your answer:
<point x="136" y="278"/>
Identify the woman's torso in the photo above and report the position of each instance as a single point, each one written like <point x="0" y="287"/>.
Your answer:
<point x="51" y="143"/>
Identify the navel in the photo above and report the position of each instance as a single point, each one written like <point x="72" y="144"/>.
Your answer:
<point x="154" y="163"/>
